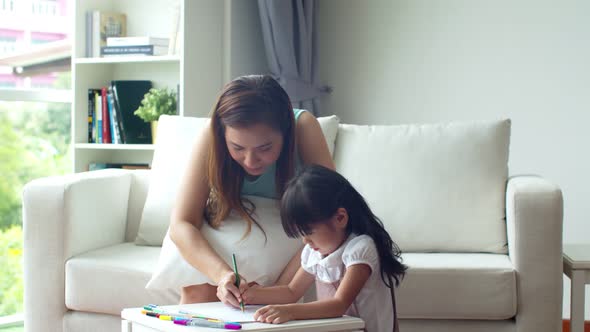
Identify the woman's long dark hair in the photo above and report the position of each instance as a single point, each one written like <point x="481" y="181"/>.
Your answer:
<point x="246" y="101"/>
<point x="315" y="194"/>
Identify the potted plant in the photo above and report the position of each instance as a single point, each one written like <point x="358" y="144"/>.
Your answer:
<point x="155" y="103"/>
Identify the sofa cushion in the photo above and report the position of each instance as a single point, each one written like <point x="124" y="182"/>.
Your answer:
<point x="445" y="286"/>
<point x="176" y="136"/>
<point x="457" y="286"/>
<point x="110" y="279"/>
<point x="436" y="187"/>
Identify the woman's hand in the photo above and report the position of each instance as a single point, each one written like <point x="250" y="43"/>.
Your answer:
<point x="228" y="293"/>
<point x="275" y="314"/>
<point x="250" y="295"/>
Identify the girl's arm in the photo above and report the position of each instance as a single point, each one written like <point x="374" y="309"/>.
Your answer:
<point x="354" y="279"/>
<point x="281" y="294"/>
<point x="187" y="218"/>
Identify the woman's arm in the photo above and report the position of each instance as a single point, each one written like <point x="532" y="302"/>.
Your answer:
<point x="187" y="218"/>
<point x="354" y="279"/>
<point x="289" y="271"/>
<point x="281" y="294"/>
<point x="311" y="143"/>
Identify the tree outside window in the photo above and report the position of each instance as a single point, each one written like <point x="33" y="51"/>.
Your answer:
<point x="34" y="127"/>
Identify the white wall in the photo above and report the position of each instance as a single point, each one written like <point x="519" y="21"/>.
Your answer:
<point x="243" y="43"/>
<point x="407" y="61"/>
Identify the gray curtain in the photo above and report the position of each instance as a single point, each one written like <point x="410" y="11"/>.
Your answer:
<point x="289" y="32"/>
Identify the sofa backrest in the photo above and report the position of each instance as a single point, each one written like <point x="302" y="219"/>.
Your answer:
<point x="140" y="182"/>
<point x="436" y="187"/>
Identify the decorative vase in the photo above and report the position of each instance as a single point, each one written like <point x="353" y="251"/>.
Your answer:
<point x="154" y="125"/>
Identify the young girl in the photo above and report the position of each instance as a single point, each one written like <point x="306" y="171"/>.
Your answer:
<point x="347" y="252"/>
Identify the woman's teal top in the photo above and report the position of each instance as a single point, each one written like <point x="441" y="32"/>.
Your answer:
<point x="264" y="185"/>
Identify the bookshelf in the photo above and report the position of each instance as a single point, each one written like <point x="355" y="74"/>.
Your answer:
<point x="220" y="39"/>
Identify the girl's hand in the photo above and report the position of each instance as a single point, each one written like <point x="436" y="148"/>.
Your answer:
<point x="275" y="314"/>
<point x="228" y="293"/>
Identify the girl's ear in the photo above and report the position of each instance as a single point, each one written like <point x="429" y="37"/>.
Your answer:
<point x="341" y="218"/>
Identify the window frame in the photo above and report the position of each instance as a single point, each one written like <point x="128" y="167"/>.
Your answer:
<point x="36" y="95"/>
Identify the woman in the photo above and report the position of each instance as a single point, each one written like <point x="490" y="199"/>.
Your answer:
<point x="255" y="141"/>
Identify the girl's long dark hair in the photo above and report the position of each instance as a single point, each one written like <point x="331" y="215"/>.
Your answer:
<point x="315" y="194"/>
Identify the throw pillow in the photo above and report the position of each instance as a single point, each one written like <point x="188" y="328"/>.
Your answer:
<point x="259" y="259"/>
<point x="176" y="136"/>
<point x="436" y="187"/>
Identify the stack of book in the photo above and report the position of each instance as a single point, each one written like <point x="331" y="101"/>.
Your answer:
<point x="136" y="46"/>
<point x="110" y="113"/>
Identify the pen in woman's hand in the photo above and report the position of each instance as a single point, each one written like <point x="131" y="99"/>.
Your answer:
<point x="233" y="258"/>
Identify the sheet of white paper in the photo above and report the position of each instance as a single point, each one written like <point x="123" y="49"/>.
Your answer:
<point x="221" y="311"/>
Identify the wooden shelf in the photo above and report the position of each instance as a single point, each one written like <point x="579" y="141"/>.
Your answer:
<point x="128" y="59"/>
<point x="108" y="146"/>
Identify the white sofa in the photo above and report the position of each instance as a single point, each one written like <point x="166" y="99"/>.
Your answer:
<point x="484" y="250"/>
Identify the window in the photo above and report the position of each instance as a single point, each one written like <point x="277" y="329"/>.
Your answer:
<point x="6" y="5"/>
<point x="34" y="127"/>
<point x="7" y="44"/>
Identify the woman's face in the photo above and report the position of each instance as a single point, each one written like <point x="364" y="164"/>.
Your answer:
<point x="254" y="147"/>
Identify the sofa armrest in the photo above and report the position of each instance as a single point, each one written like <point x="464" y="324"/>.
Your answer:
<point x="64" y="216"/>
<point x="534" y="217"/>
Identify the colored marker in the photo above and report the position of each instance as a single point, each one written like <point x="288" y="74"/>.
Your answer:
<point x="194" y="315"/>
<point x="233" y="258"/>
<point x="206" y="323"/>
<point x="173" y="315"/>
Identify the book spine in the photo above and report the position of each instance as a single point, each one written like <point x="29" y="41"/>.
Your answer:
<point x="137" y="41"/>
<point x="96" y="33"/>
<point x="88" y="43"/>
<point x="120" y="116"/>
<point x="106" y="130"/>
<point x="124" y="50"/>
<point x="90" y="116"/>
<point x="111" y="117"/>
<point x="115" y="132"/>
<point x="99" y="166"/>
<point x="98" y="116"/>
<point x="173" y="45"/>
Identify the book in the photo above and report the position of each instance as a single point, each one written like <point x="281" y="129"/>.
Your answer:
<point x="92" y="118"/>
<point x="137" y="41"/>
<point x="106" y="123"/>
<point x="137" y="50"/>
<point x="98" y="115"/>
<point x="115" y="131"/>
<point x="98" y="166"/>
<point x="127" y="95"/>
<point x="90" y="115"/>
<point x="88" y="43"/>
<point x="106" y="24"/>
<point x="175" y="29"/>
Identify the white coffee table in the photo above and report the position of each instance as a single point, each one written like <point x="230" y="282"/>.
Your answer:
<point x="576" y="265"/>
<point x="134" y="321"/>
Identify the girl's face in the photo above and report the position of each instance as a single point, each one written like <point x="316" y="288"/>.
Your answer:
<point x="255" y="147"/>
<point x="326" y="237"/>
